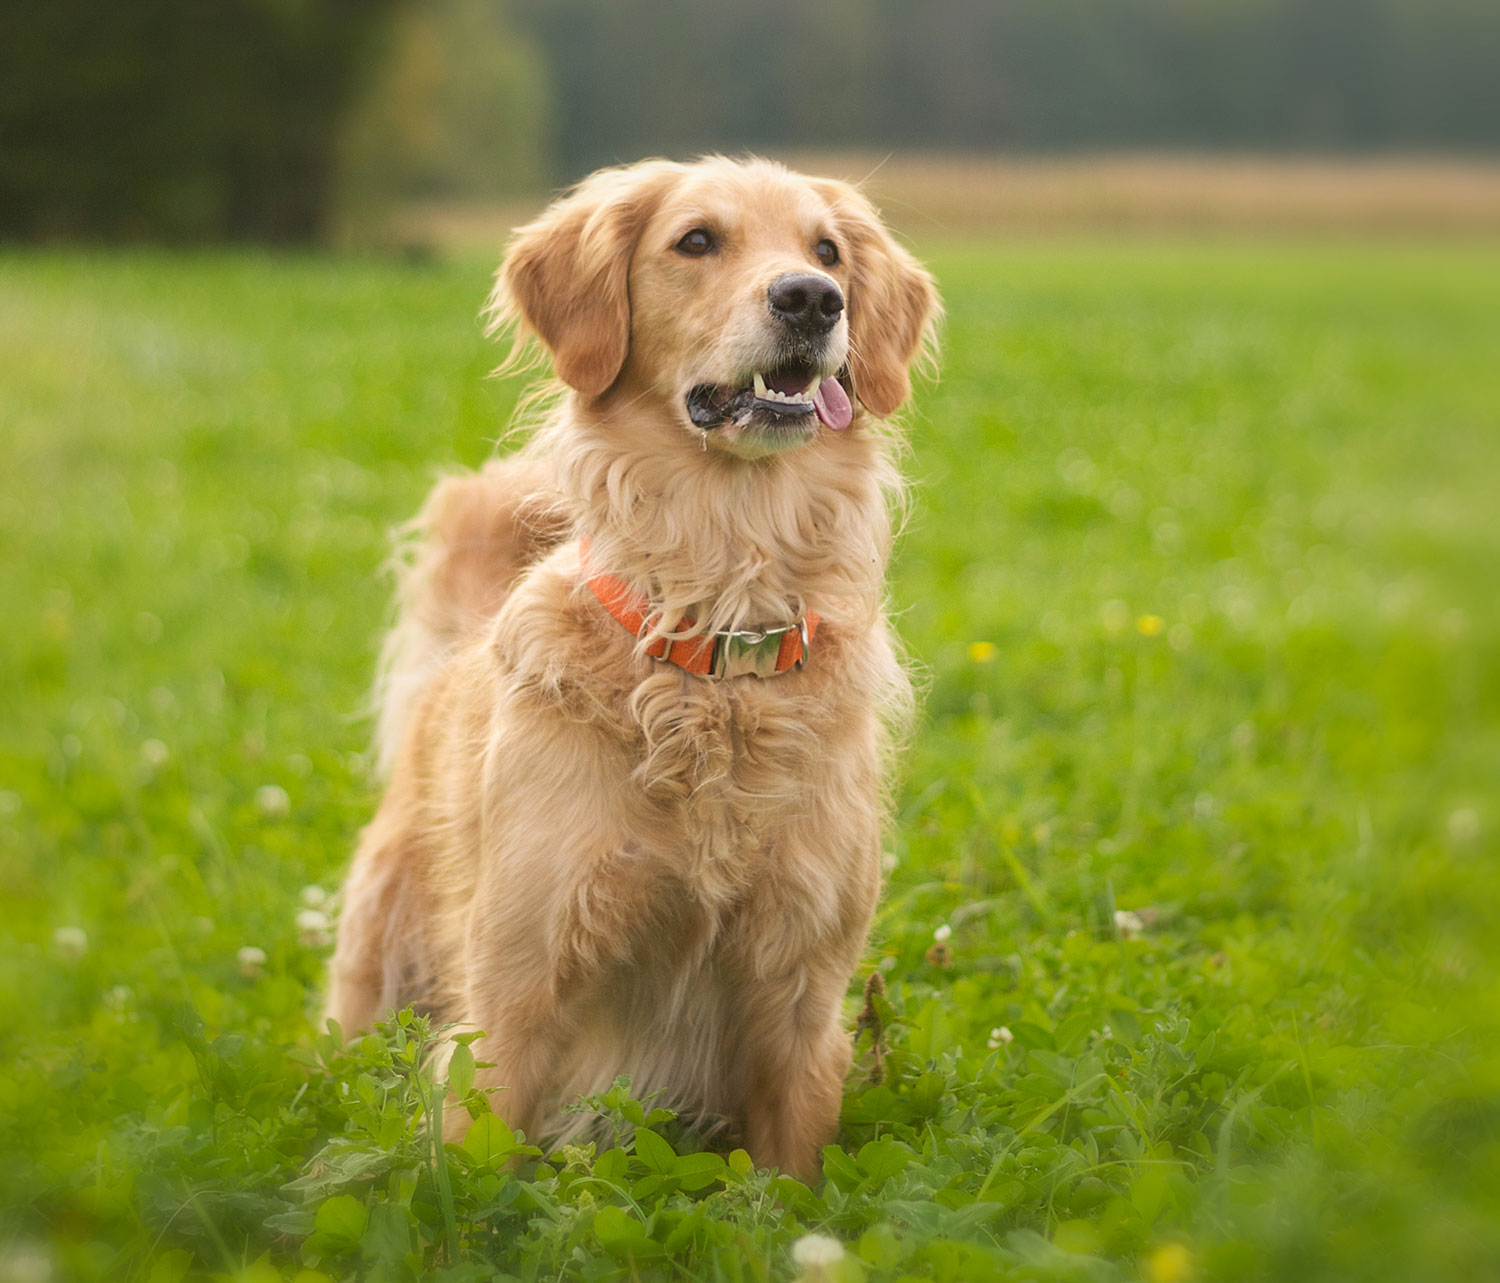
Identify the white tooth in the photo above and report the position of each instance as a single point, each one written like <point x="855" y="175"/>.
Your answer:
<point x="760" y="386"/>
<point x="811" y="390"/>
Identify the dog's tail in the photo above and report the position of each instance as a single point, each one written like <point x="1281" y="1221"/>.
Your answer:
<point x="454" y="565"/>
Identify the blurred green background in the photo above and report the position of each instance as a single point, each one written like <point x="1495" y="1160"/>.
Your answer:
<point x="1189" y="932"/>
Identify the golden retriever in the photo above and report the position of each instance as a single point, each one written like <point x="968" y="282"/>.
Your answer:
<point x="638" y="701"/>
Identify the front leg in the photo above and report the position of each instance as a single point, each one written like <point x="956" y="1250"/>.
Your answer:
<point x="525" y="1040"/>
<point x="799" y="943"/>
<point x="797" y="1053"/>
<point x="542" y="942"/>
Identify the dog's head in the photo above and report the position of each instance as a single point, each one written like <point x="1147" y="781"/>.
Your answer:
<point x="761" y="307"/>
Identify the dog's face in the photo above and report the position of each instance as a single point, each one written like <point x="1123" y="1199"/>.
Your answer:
<point x="757" y="306"/>
<point x="738" y="289"/>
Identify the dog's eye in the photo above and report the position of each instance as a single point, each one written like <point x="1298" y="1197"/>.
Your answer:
<point x="698" y="242"/>
<point x="827" y="252"/>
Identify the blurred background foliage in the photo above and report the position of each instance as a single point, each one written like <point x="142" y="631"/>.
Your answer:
<point x="285" y="120"/>
<point x="458" y="105"/>
<point x="157" y="118"/>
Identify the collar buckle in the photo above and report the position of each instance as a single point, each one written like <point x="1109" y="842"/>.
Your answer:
<point x="764" y="652"/>
<point x="751" y="653"/>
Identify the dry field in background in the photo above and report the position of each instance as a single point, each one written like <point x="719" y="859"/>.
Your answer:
<point x="927" y="196"/>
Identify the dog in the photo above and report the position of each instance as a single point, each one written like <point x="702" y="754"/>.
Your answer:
<point x="640" y="699"/>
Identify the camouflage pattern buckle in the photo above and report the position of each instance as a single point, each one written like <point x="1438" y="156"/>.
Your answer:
<point x="754" y="654"/>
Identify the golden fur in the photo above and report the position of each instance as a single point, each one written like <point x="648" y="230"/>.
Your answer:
<point x="609" y="865"/>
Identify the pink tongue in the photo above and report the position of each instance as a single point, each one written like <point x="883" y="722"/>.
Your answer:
<point x="832" y="404"/>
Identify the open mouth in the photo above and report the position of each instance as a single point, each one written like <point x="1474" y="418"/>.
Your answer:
<point x="788" y="392"/>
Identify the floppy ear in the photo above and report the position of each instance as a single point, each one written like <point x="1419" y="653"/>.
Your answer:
<point x="893" y="306"/>
<point x="566" y="275"/>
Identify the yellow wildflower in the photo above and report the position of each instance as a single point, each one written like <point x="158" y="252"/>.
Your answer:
<point x="1169" y="1263"/>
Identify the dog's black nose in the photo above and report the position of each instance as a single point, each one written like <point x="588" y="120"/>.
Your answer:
<point x="806" y="301"/>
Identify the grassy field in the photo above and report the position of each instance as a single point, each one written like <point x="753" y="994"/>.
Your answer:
<point x="1190" y="935"/>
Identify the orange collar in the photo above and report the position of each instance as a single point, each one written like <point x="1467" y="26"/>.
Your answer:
<point x="765" y="653"/>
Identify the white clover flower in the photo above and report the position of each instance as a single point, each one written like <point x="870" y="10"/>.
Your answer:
<point x="943" y="934"/>
<point x="1128" y="924"/>
<point x="1000" y="1036"/>
<point x="25" y="1262"/>
<point x="252" y="962"/>
<point x="313" y="896"/>
<point x="815" y="1253"/>
<point x="272" y="801"/>
<point x="312" y="928"/>
<point x="71" y="942"/>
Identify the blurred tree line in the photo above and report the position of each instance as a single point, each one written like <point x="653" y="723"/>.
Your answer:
<point x="259" y="119"/>
<point x="639" y="76"/>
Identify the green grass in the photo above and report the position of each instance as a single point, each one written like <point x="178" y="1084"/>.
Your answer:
<point x="1202" y="573"/>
